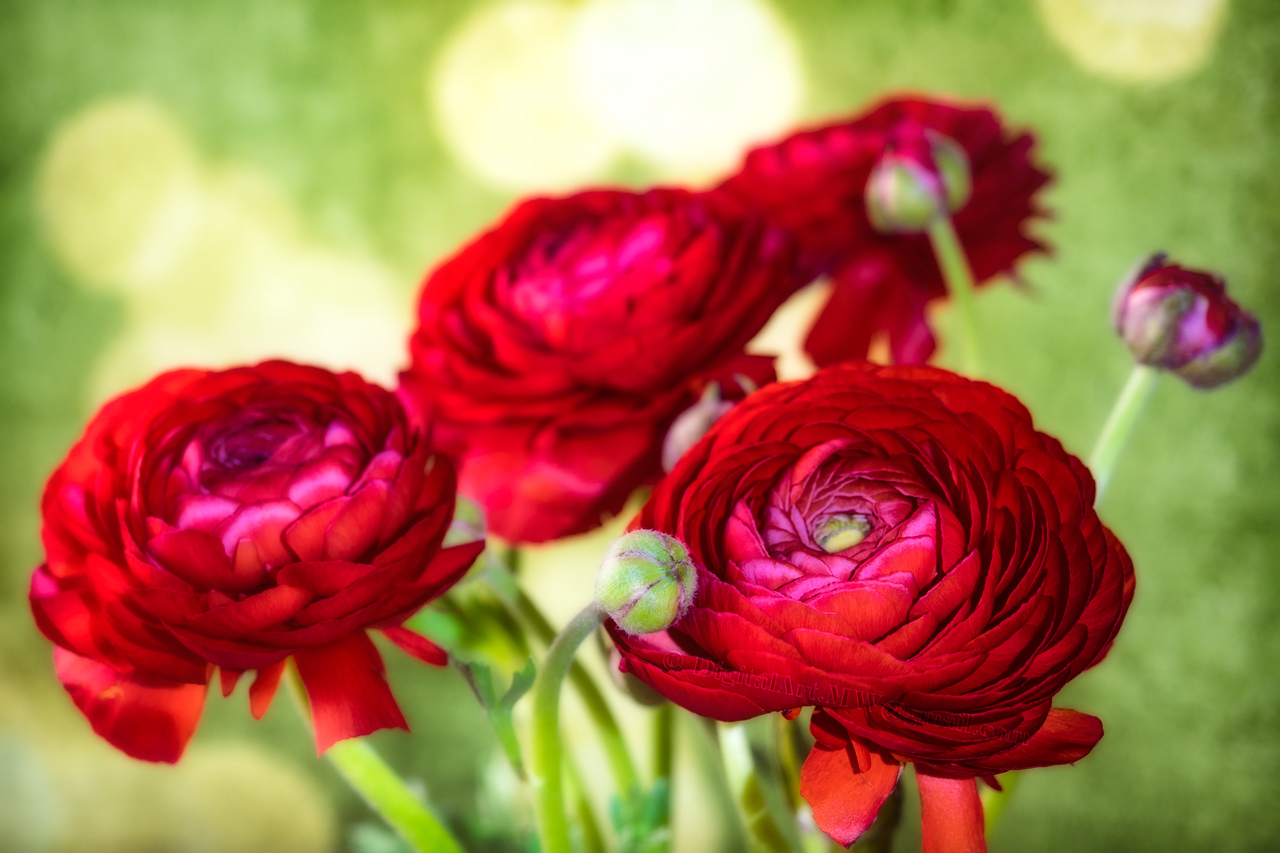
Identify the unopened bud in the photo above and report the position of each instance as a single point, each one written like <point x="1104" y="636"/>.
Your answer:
<point x="1182" y="320"/>
<point x="917" y="181"/>
<point x="646" y="582"/>
<point x="692" y="424"/>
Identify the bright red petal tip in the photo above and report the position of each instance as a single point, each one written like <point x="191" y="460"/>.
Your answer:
<point x="418" y="646"/>
<point x="845" y="801"/>
<point x="263" y="689"/>
<point x="347" y="686"/>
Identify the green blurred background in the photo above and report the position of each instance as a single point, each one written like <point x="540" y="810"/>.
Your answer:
<point x="216" y="182"/>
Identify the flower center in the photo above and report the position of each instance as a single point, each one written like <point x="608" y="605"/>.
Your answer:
<point x="840" y="532"/>
<point x="251" y="445"/>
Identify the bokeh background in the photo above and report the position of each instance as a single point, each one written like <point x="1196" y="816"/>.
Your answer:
<point x="219" y="182"/>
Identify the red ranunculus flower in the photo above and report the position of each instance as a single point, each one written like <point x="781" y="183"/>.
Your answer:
<point x="555" y="350"/>
<point x="901" y="549"/>
<point x="235" y="519"/>
<point x="814" y="181"/>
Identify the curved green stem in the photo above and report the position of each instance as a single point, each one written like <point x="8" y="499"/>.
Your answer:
<point x="1119" y="425"/>
<point x="615" y="745"/>
<point x="380" y="786"/>
<point x="959" y="277"/>
<point x="548" y="789"/>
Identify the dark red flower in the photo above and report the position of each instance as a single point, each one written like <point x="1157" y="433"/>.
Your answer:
<point x="555" y="350"/>
<point x="1182" y="320"/>
<point x="235" y="519"/>
<point x="814" y="184"/>
<point x="901" y="549"/>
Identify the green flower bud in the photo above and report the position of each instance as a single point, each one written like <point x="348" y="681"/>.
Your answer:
<point x="646" y="582"/>
<point x="916" y="182"/>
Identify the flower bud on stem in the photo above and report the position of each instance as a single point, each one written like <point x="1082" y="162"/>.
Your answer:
<point x="523" y="607"/>
<point x="379" y="786"/>
<point x="959" y="277"/>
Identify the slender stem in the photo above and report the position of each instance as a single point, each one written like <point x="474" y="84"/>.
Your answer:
<point x="553" y="827"/>
<point x="663" y="753"/>
<point x="959" y="277"/>
<point x="1119" y="425"/>
<point x="615" y="745"/>
<point x="706" y="742"/>
<point x="379" y="786"/>
<point x="663" y="740"/>
<point x="748" y="783"/>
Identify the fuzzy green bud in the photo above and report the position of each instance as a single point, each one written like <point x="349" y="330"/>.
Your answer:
<point x="916" y="182"/>
<point x="646" y="582"/>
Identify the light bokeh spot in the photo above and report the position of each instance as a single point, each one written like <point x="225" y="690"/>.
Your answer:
<point x="1136" y="40"/>
<point x="212" y="260"/>
<point x="119" y="192"/>
<point x="689" y="84"/>
<point x="507" y="102"/>
<point x="783" y="336"/>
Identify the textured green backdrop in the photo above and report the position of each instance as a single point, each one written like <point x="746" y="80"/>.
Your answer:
<point x="327" y="99"/>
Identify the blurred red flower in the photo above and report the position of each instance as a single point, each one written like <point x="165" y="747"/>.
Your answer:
<point x="554" y="351"/>
<point x="235" y="519"/>
<point x="901" y="549"/>
<point x="814" y="184"/>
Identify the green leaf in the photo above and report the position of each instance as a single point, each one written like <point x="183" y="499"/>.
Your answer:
<point x="479" y="675"/>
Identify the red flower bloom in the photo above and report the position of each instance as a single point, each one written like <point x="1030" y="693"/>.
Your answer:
<point x="902" y="550"/>
<point x="235" y="519"/>
<point x="555" y="350"/>
<point x="814" y="184"/>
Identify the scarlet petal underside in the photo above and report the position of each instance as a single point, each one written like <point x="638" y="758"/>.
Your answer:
<point x="844" y="800"/>
<point x="347" y="686"/>
<point x="418" y="646"/>
<point x="951" y="814"/>
<point x="147" y="718"/>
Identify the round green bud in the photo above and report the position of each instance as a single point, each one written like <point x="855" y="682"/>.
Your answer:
<point x="646" y="582"/>
<point x="917" y="182"/>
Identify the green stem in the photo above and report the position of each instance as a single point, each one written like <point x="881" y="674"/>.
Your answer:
<point x="750" y="787"/>
<point x="615" y="745"/>
<point x="553" y="827"/>
<point x="1119" y="425"/>
<point x="959" y="277"/>
<point x="710" y="756"/>
<point x="379" y="786"/>
<point x="663" y="753"/>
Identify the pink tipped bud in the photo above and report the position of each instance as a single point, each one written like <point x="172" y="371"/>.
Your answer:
<point x="916" y="181"/>
<point x="1182" y="320"/>
<point x="646" y="582"/>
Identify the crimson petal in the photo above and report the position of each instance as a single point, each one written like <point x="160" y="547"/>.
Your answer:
<point x="347" y="686"/>
<point x="418" y="646"/>
<point x="951" y="813"/>
<point x="263" y="689"/>
<point x="144" y="717"/>
<point x="845" y="801"/>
